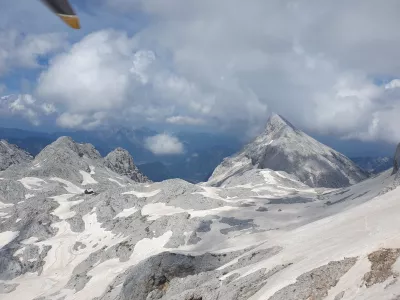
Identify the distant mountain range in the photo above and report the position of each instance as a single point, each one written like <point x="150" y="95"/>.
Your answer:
<point x="203" y="151"/>
<point x="374" y="165"/>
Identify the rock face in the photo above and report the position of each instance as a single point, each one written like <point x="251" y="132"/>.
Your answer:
<point x="11" y="155"/>
<point x="282" y="147"/>
<point x="121" y="162"/>
<point x="396" y="163"/>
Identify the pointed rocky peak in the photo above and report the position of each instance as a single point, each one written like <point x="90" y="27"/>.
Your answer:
<point x="276" y="123"/>
<point x="396" y="163"/>
<point x="11" y="154"/>
<point x="282" y="147"/>
<point x="121" y="162"/>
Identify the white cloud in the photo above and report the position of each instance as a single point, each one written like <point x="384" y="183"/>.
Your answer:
<point x="85" y="121"/>
<point x="23" y="50"/>
<point x="93" y="75"/>
<point x="184" y="120"/>
<point x="26" y="106"/>
<point x="228" y="64"/>
<point x="164" y="144"/>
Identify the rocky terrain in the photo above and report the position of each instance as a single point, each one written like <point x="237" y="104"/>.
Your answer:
<point x="11" y="155"/>
<point x="121" y="162"/>
<point x="264" y="234"/>
<point x="282" y="147"/>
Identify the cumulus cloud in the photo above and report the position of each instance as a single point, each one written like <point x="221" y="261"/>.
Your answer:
<point x="164" y="144"/>
<point x="26" y="106"/>
<point x="85" y="121"/>
<point x="228" y="64"/>
<point x="93" y="75"/>
<point x="23" y="50"/>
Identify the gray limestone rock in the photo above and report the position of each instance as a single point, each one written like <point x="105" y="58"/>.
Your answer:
<point x="396" y="161"/>
<point x="316" y="283"/>
<point x="121" y="162"/>
<point x="282" y="147"/>
<point x="11" y="154"/>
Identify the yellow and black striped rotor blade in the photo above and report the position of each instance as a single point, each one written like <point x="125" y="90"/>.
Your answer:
<point x="63" y="9"/>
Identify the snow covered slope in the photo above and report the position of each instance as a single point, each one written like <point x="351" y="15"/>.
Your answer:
<point x="266" y="236"/>
<point x="282" y="147"/>
<point x="11" y="155"/>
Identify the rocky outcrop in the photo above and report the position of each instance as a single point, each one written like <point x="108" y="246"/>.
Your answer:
<point x="121" y="162"/>
<point x="11" y="155"/>
<point x="396" y="162"/>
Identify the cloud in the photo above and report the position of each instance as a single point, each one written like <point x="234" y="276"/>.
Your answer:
<point x="230" y="64"/>
<point x="85" y="121"/>
<point x="27" y="107"/>
<point x="93" y="75"/>
<point x="164" y="144"/>
<point x="184" y="120"/>
<point x="24" y="50"/>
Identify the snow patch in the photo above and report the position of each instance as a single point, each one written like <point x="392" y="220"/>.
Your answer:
<point x="70" y="187"/>
<point x="32" y="183"/>
<point x="6" y="237"/>
<point x="30" y="240"/>
<point x="5" y="205"/>
<point x="104" y="273"/>
<point x="154" y="211"/>
<point x="64" y="210"/>
<point x="36" y="166"/>
<point x="92" y="168"/>
<point x="87" y="178"/>
<point x="113" y="180"/>
<point x="62" y="259"/>
<point x="142" y="194"/>
<point x="126" y="212"/>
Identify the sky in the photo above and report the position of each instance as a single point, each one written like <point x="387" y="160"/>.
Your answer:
<point x="331" y="67"/>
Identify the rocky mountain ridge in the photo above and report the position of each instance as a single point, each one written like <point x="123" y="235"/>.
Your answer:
<point x="283" y="147"/>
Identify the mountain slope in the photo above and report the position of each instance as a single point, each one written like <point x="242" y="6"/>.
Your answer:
<point x="11" y="155"/>
<point x="282" y="147"/>
<point x="271" y="238"/>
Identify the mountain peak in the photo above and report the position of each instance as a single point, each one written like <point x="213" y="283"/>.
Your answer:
<point x="66" y="149"/>
<point x="282" y="147"/>
<point x="276" y="123"/>
<point x="121" y="162"/>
